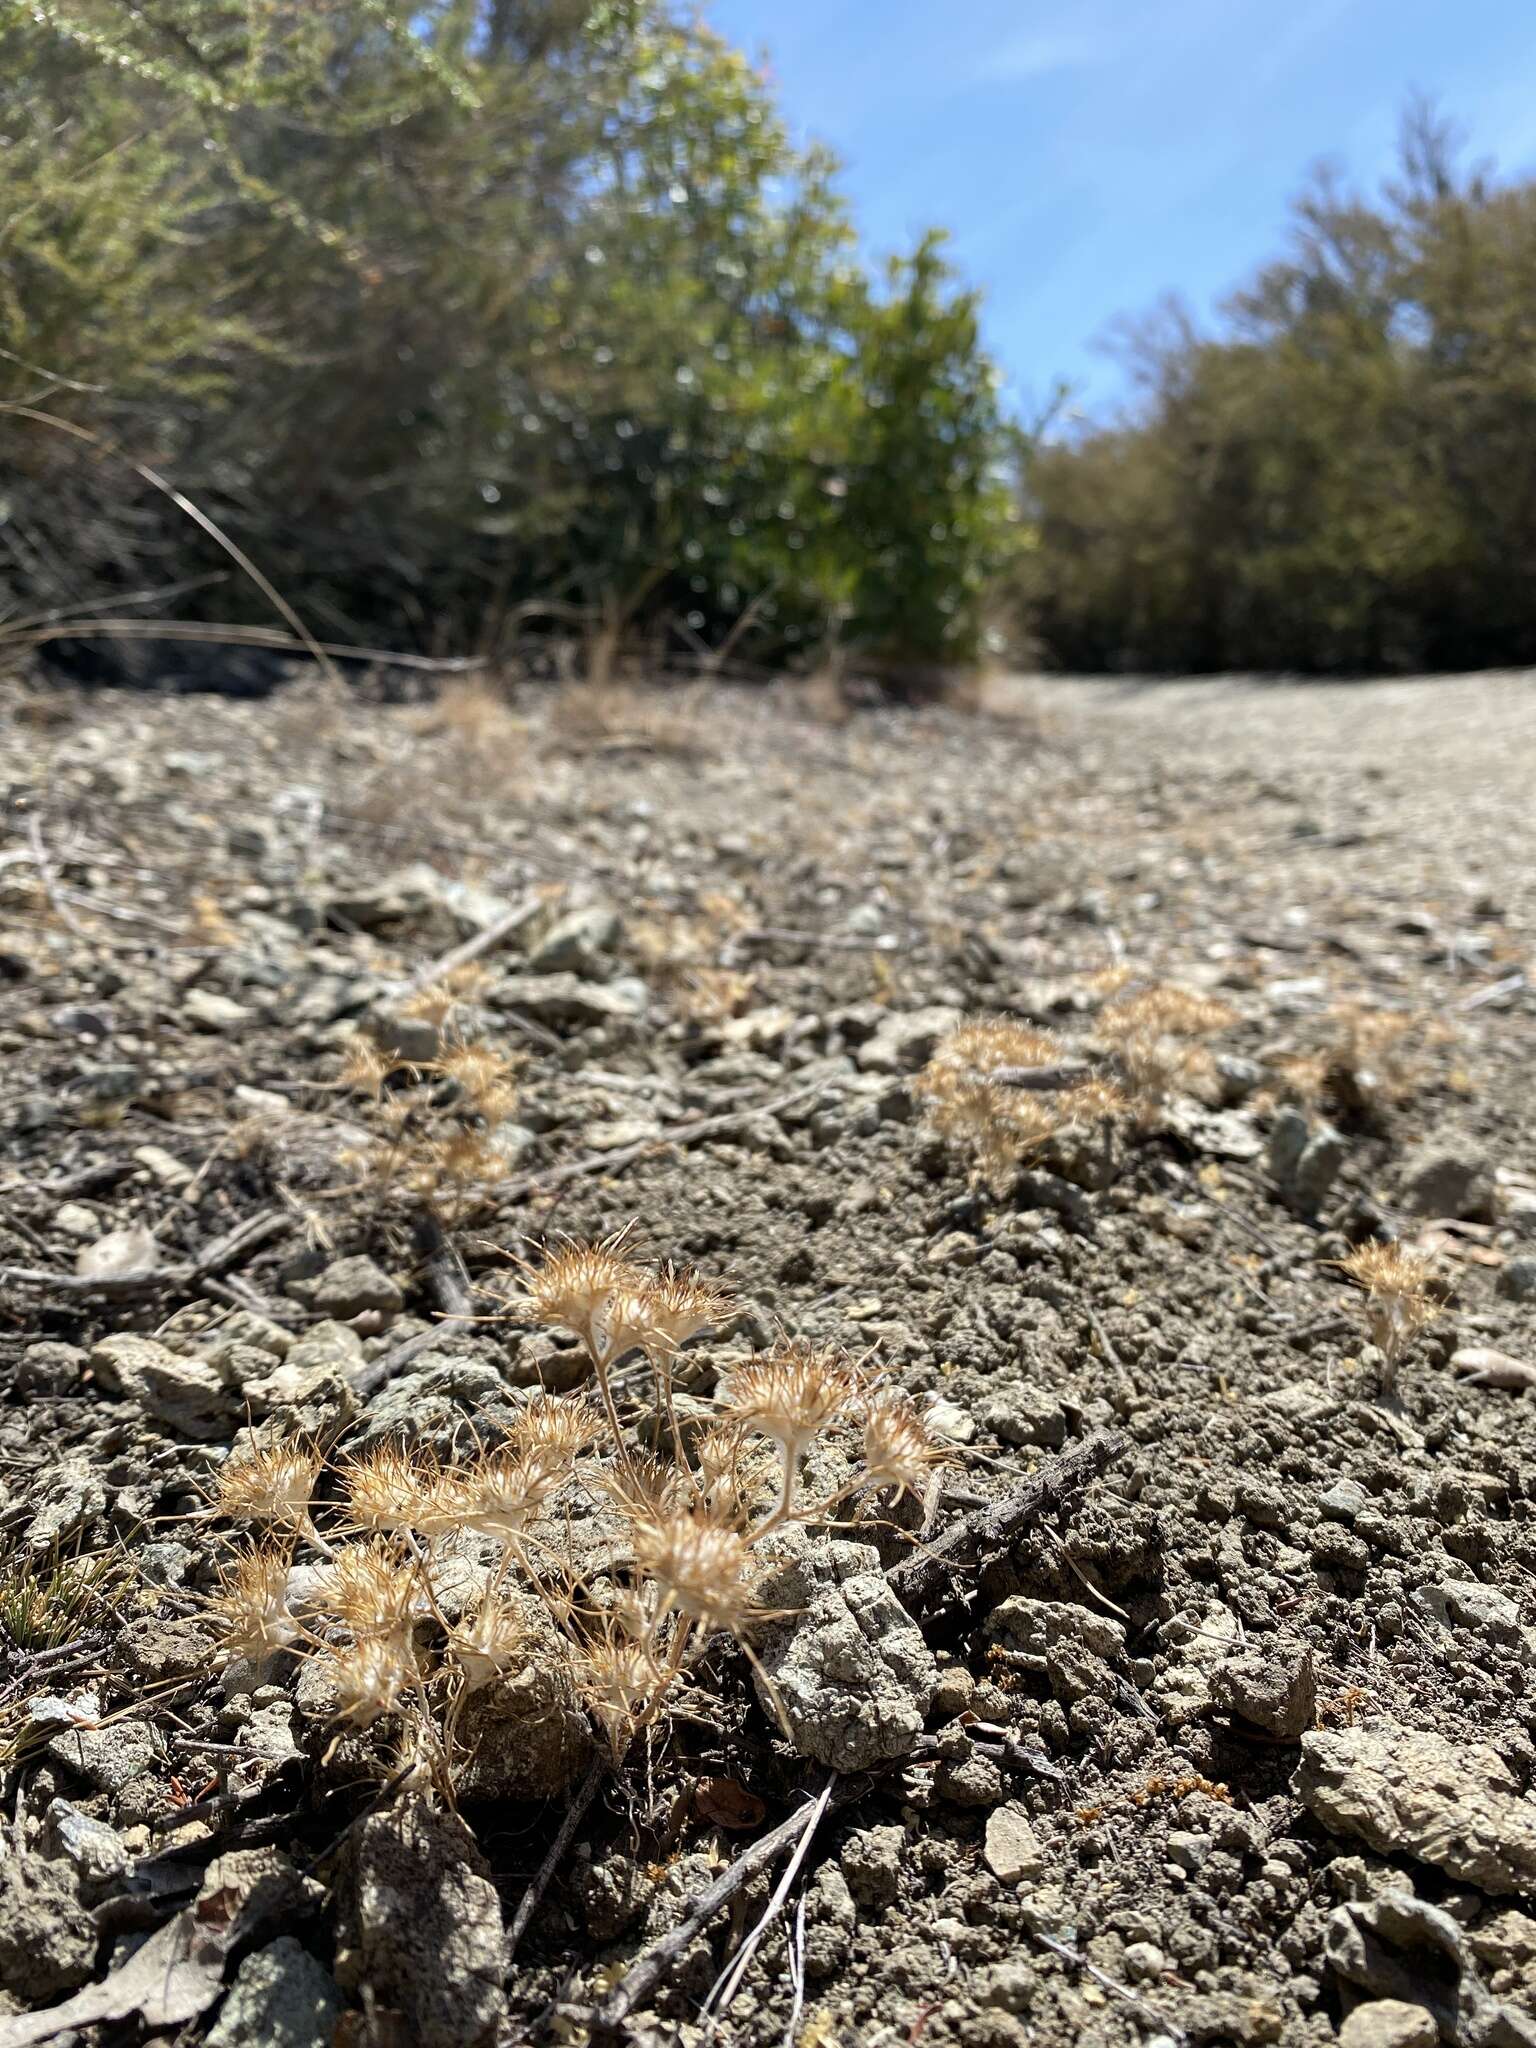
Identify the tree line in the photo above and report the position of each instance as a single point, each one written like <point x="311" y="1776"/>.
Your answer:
<point x="469" y="320"/>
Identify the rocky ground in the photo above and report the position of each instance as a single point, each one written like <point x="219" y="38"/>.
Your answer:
<point x="1231" y="1740"/>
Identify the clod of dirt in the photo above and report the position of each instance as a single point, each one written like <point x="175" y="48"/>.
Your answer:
<point x="1415" y="1957"/>
<point x="281" y="1998"/>
<point x="1273" y="1688"/>
<point x="1448" y="1176"/>
<point x="853" y="1675"/>
<point x="421" y="1927"/>
<point x="183" y="1393"/>
<point x="349" y="1287"/>
<point x="1404" y="1791"/>
<point x="47" y="1939"/>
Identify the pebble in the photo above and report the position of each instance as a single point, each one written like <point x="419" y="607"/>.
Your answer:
<point x="281" y="1998"/>
<point x="75" y="1220"/>
<point x="349" y="1287"/>
<point x="1012" y="1848"/>
<point x="1388" y="2023"/>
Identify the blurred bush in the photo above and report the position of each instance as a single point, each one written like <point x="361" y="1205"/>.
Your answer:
<point x="465" y="319"/>
<point x="1341" y="479"/>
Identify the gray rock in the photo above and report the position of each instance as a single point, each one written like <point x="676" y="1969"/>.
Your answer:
<point x="49" y="1368"/>
<point x="349" y="1287"/>
<point x="435" y="1404"/>
<point x="1517" y="1280"/>
<point x="210" y="1011"/>
<point x="1345" y="1499"/>
<point x="1187" y="1851"/>
<point x="96" y="1852"/>
<point x="1467" y="1603"/>
<point x="47" y="1939"/>
<point x="281" y="1998"/>
<point x="1012" y="1847"/>
<point x="330" y="1344"/>
<point x="1273" y="1688"/>
<point x="577" y="942"/>
<point x="1448" y="1176"/>
<point x="420" y="1927"/>
<point x="906" y="1040"/>
<point x="1403" y="1791"/>
<point x="110" y="1757"/>
<point x="1304" y="1160"/>
<point x="1025" y="1415"/>
<point x="853" y="1677"/>
<point x="565" y="1001"/>
<point x="1035" y="1626"/>
<point x="186" y="1394"/>
<point x="1414" y="1958"/>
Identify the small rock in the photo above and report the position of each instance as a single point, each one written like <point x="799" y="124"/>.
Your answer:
<point x="1448" y="1176"/>
<point x="1012" y="1849"/>
<point x="577" y="943"/>
<point x="349" y="1287"/>
<point x="872" y="1860"/>
<point x="1144" y="1959"/>
<point x="421" y="1927"/>
<point x="1404" y="1791"/>
<point x="110" y="1757"/>
<point x="1388" y="2023"/>
<point x="564" y="1000"/>
<point x="210" y="1011"/>
<point x="853" y="1676"/>
<point x="47" y="1939"/>
<point x="186" y="1395"/>
<point x="905" y="1041"/>
<point x="98" y="1853"/>
<point x="1187" y="1851"/>
<point x="132" y="1249"/>
<point x="1345" y="1499"/>
<point x="163" y="1166"/>
<point x="1304" y="1160"/>
<point x="49" y="1368"/>
<point x="1467" y="1603"/>
<point x="281" y="1998"/>
<point x="949" y="1420"/>
<point x="1272" y="1688"/>
<point x="1517" y="1281"/>
<point x="1025" y="1415"/>
<point x="328" y="1344"/>
<point x="75" y="1220"/>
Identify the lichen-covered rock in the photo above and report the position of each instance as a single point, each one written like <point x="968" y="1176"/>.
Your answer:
<point x="421" y="1927"/>
<point x="1406" y="1792"/>
<point x="852" y="1675"/>
<point x="47" y="1939"/>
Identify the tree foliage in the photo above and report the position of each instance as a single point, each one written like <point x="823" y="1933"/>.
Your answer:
<point x="463" y="314"/>
<point x="1338" y="480"/>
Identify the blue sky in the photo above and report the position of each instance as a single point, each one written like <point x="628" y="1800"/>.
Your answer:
<point x="1090" y="155"/>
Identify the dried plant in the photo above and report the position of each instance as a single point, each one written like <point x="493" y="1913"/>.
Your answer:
<point x="432" y="1581"/>
<point x="435" y="1121"/>
<point x="1154" y="1035"/>
<point x="976" y="1095"/>
<point x="1398" y="1301"/>
<point x="1363" y="1061"/>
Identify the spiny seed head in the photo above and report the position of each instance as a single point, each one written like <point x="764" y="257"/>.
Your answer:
<point x="371" y="1589"/>
<point x="479" y="1072"/>
<point x="252" y="1604"/>
<point x="677" y="1304"/>
<point x="369" y="1677"/>
<point x="981" y="1045"/>
<point x="557" y="1428"/>
<point x="392" y="1488"/>
<point x="268" y="1482"/>
<point x="365" y="1068"/>
<point x="701" y="1565"/>
<point x="899" y="1449"/>
<point x="495" y="1641"/>
<point x="504" y="1490"/>
<point x="735" y="1475"/>
<point x="644" y="1487"/>
<point x="615" y="1677"/>
<point x="1390" y="1269"/>
<point x="792" y="1393"/>
<point x="575" y="1283"/>
<point x="1176" y="1012"/>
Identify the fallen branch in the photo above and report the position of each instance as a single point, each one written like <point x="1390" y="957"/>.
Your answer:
<point x="644" y="1976"/>
<point x="575" y="1813"/>
<point x="921" y="1581"/>
<point x="214" y="1259"/>
<point x="676" y="1134"/>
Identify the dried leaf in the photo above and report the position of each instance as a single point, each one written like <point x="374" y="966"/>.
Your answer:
<point x="728" y="1804"/>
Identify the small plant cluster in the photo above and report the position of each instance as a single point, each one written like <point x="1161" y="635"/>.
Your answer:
<point x="1364" y="1061"/>
<point x="391" y="1533"/>
<point x="1156" y="1036"/>
<point x="973" y="1100"/>
<point x="682" y="957"/>
<point x="1399" y="1303"/>
<point x="435" y="1120"/>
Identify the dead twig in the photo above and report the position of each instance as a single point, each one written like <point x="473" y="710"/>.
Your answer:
<point x="644" y="1976"/>
<point x="922" y="1582"/>
<point x="674" y="1134"/>
<point x="575" y="1813"/>
<point x="494" y="935"/>
<point x="216" y="1258"/>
